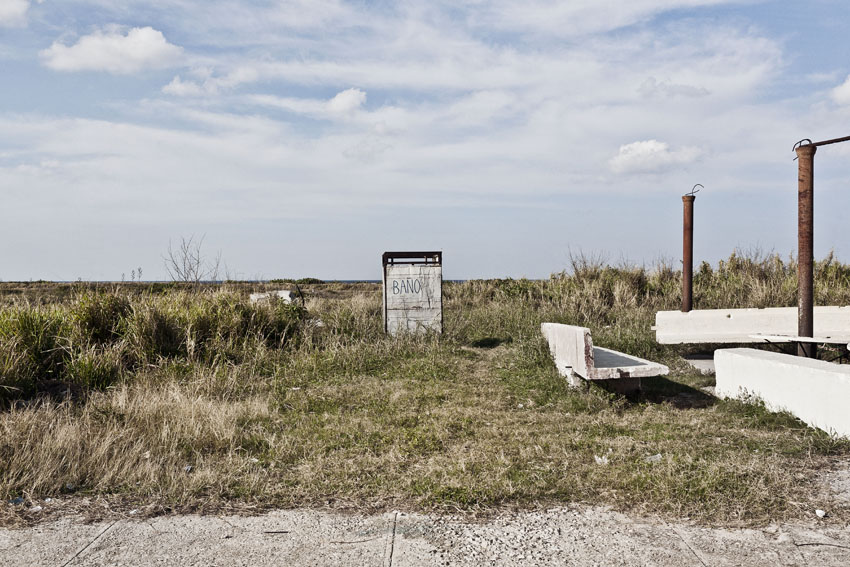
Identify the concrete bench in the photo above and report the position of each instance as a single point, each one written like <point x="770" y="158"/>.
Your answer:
<point x="814" y="391"/>
<point x="747" y="325"/>
<point x="577" y="359"/>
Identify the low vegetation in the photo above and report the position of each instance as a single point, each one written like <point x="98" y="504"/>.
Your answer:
<point x="168" y="397"/>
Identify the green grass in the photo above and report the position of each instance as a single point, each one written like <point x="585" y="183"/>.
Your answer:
<point x="114" y="392"/>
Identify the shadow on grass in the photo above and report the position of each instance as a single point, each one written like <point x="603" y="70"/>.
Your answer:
<point x="659" y="390"/>
<point x="51" y="391"/>
<point x="489" y="342"/>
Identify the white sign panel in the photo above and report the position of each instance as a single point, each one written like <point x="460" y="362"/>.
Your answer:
<point x="413" y="298"/>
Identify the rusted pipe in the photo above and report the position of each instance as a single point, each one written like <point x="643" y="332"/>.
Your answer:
<point x="688" y="253"/>
<point x="832" y="141"/>
<point x="805" y="247"/>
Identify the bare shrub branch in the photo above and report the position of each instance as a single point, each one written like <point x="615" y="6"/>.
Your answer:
<point x="187" y="263"/>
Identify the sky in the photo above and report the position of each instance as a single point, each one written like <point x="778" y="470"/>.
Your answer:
<point x="303" y="138"/>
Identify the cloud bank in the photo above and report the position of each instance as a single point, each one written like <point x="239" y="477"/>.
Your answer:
<point x="330" y="109"/>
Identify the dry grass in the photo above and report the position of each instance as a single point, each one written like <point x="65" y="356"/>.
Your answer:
<point x="342" y="415"/>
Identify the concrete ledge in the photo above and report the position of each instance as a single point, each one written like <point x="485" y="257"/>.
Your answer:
<point x="737" y="325"/>
<point x="576" y="358"/>
<point x="815" y="391"/>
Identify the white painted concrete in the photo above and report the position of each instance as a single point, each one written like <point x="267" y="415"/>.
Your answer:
<point x="576" y="358"/>
<point x="815" y="391"/>
<point x="612" y="365"/>
<point x="413" y="298"/>
<point x="572" y="349"/>
<point x="281" y="295"/>
<point x="738" y="325"/>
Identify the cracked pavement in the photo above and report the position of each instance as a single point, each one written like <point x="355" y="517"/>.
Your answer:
<point x="574" y="535"/>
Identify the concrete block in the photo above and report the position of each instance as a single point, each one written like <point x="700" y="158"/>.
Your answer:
<point x="265" y="298"/>
<point x="576" y="358"/>
<point x="738" y="325"/>
<point x="815" y="391"/>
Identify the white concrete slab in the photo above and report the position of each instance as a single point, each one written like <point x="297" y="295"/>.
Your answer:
<point x="576" y="358"/>
<point x="815" y="391"/>
<point x="738" y="325"/>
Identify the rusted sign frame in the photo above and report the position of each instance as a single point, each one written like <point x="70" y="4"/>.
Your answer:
<point x="428" y="258"/>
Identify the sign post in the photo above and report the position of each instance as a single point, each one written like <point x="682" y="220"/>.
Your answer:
<point x="413" y="292"/>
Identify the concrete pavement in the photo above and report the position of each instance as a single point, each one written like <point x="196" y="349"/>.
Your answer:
<point x="563" y="536"/>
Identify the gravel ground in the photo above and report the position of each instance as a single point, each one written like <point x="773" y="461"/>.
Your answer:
<point x="563" y="536"/>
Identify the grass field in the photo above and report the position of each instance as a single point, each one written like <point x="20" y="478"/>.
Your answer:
<point x="165" y="397"/>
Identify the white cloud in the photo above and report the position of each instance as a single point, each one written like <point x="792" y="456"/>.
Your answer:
<point x="347" y="101"/>
<point x="179" y="87"/>
<point x="343" y="103"/>
<point x="579" y="17"/>
<point x="651" y="156"/>
<point x="13" y="12"/>
<point x="115" y="52"/>
<point x="719" y="63"/>
<point x="308" y="106"/>
<point x="210" y="85"/>
<point x="653" y="87"/>
<point x="841" y="93"/>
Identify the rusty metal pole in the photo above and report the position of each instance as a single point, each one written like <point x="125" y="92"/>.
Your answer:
<point x="688" y="253"/>
<point x="805" y="248"/>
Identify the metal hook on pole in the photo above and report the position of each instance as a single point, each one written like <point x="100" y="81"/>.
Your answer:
<point x="694" y="189"/>
<point x="801" y="143"/>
